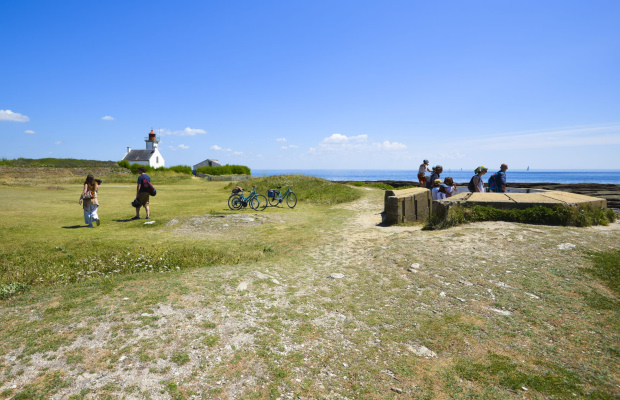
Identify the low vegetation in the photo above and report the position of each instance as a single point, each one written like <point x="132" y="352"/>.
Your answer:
<point x="225" y="170"/>
<point x="557" y="215"/>
<point x="307" y="188"/>
<point x="55" y="163"/>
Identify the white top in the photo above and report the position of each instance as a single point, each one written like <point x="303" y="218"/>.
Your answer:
<point x="437" y="195"/>
<point x="422" y="169"/>
<point x="479" y="182"/>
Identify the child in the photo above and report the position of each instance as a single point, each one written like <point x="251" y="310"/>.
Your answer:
<point x="89" y="201"/>
<point x="422" y="173"/>
<point x="438" y="192"/>
<point x="450" y="186"/>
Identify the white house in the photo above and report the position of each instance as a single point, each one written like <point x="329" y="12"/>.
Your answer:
<point x="207" y="163"/>
<point x="151" y="156"/>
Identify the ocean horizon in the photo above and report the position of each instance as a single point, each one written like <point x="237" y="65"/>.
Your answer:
<point x="608" y="176"/>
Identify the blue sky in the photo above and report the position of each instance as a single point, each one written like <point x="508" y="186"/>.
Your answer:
<point x="315" y="84"/>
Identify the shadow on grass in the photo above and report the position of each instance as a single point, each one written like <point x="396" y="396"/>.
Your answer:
<point x="75" y="226"/>
<point x="125" y="220"/>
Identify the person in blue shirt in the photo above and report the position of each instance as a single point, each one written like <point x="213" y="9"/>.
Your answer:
<point x="497" y="182"/>
<point x="142" y="194"/>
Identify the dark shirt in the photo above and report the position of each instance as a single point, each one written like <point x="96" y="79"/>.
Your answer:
<point x="429" y="182"/>
<point x="140" y="179"/>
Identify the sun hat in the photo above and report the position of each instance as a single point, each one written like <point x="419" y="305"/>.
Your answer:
<point x="439" y="167"/>
<point x="426" y="162"/>
<point x="437" y="181"/>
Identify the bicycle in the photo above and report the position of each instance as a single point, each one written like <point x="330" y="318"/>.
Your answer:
<point x="276" y="197"/>
<point x="256" y="201"/>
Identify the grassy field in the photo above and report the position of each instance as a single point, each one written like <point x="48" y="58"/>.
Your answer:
<point x="320" y="301"/>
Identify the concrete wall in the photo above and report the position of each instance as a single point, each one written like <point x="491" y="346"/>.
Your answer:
<point x="406" y="205"/>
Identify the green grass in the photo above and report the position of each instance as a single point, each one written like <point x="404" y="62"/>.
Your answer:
<point x="308" y="189"/>
<point x="557" y="215"/>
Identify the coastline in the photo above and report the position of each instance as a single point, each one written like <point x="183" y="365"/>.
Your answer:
<point x="607" y="191"/>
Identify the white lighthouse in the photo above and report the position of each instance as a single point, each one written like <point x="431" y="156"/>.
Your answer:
<point x="151" y="156"/>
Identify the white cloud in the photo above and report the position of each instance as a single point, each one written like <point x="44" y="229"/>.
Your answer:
<point x="57" y="142"/>
<point x="386" y="145"/>
<point x="281" y="140"/>
<point x="218" y="148"/>
<point x="107" y="118"/>
<point x="30" y="132"/>
<point x="238" y="153"/>
<point x="185" y="132"/>
<point x="291" y="146"/>
<point x="338" y="142"/>
<point x="182" y="146"/>
<point x="8" y="115"/>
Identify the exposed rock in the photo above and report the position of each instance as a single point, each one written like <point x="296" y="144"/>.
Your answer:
<point x="336" y="275"/>
<point x="421" y="351"/>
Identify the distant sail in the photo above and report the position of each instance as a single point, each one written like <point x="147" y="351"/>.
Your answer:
<point x="528" y="168"/>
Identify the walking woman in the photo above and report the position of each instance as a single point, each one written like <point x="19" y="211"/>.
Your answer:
<point x="89" y="201"/>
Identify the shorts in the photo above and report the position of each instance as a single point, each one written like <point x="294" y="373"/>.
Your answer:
<point x="143" y="197"/>
<point x="422" y="179"/>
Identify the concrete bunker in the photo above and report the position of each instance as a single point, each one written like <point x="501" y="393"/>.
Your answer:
<point x="416" y="204"/>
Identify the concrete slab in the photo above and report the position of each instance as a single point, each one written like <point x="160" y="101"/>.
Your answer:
<point x="533" y="198"/>
<point x="484" y="198"/>
<point x="575" y="199"/>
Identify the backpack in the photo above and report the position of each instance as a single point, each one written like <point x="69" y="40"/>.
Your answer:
<point x="471" y="186"/>
<point x="148" y="186"/>
<point x="493" y="183"/>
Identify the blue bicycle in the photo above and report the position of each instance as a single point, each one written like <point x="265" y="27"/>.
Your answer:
<point x="237" y="200"/>
<point x="276" y="197"/>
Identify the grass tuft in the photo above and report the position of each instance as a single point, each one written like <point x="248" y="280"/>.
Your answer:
<point x="557" y="215"/>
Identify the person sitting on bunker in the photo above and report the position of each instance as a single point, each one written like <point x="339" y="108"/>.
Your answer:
<point x="437" y="170"/>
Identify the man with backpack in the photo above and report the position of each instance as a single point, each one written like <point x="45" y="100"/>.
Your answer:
<point x="497" y="181"/>
<point x="143" y="191"/>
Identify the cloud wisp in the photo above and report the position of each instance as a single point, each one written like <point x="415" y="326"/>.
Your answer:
<point x="550" y="138"/>
<point x="185" y="132"/>
<point x="8" y="115"/>
<point x="218" y="148"/>
<point x="108" y="118"/>
<point x="339" y="142"/>
<point x="30" y="132"/>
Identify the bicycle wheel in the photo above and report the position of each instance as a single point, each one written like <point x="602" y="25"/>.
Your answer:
<point x="234" y="202"/>
<point x="291" y="200"/>
<point x="258" y="202"/>
<point x="274" y="201"/>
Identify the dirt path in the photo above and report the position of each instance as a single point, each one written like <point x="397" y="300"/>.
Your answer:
<point x="373" y="311"/>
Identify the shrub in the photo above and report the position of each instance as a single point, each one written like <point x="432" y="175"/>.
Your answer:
<point x="183" y="169"/>
<point x="225" y="170"/>
<point x="557" y="215"/>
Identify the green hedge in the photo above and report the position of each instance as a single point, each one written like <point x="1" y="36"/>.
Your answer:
<point x="55" y="163"/>
<point x="557" y="215"/>
<point x="183" y="169"/>
<point x="225" y="170"/>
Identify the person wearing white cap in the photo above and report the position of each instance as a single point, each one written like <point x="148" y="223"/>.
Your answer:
<point x="422" y="173"/>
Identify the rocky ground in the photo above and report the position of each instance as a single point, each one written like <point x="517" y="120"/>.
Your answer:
<point x="376" y="312"/>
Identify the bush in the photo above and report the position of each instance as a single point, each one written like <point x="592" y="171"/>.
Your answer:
<point x="557" y="215"/>
<point x="225" y="170"/>
<point x="183" y="169"/>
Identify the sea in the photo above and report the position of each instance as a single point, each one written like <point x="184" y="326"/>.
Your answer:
<point x="460" y="176"/>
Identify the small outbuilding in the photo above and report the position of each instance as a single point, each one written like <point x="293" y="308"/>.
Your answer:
<point x="150" y="156"/>
<point x="207" y="163"/>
